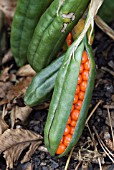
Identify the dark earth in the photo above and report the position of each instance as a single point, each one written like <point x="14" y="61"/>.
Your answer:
<point x="103" y="48"/>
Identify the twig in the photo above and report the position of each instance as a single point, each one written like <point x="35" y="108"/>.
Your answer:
<point x="99" y="140"/>
<point x="68" y="160"/>
<point x="99" y="160"/>
<point x="77" y="166"/>
<point x="104" y="27"/>
<point x="109" y="117"/>
<point x="108" y="106"/>
<point x="91" y="135"/>
<point x="108" y="70"/>
<point x="100" y="101"/>
<point x="94" y="146"/>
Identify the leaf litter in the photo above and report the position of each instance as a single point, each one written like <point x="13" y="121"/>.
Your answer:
<point x="14" y="141"/>
<point x="19" y="114"/>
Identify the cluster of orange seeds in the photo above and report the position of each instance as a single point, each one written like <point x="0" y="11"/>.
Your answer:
<point x="77" y="103"/>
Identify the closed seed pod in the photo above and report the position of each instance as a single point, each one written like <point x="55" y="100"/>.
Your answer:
<point x="41" y="87"/>
<point x="62" y="100"/>
<point x="52" y="29"/>
<point x="25" y="20"/>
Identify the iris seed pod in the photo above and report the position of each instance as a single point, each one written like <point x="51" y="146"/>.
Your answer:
<point x="68" y="79"/>
<point x="27" y="15"/>
<point x="52" y="29"/>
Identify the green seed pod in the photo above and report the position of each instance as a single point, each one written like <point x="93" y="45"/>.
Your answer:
<point x="25" y="20"/>
<point x="52" y="29"/>
<point x="42" y="84"/>
<point x="63" y="97"/>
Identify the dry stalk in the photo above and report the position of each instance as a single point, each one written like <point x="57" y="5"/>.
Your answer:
<point x="108" y="106"/>
<point x="109" y="117"/>
<point x="97" y="105"/>
<point x="108" y="70"/>
<point x="93" y="9"/>
<point x="104" y="27"/>
<point x="77" y="166"/>
<point x="68" y="160"/>
<point x="104" y="148"/>
<point x="3" y="112"/>
<point x="99" y="160"/>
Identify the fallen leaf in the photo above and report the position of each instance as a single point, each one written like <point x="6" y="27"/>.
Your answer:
<point x="29" y="166"/>
<point x="4" y="88"/>
<point x="17" y="141"/>
<point x="7" y="57"/>
<point x="19" y="114"/>
<point x="12" y="155"/>
<point x="15" y="137"/>
<point x="30" y="152"/>
<point x="3" y="101"/>
<point x="5" y="75"/>
<point x="3" y="126"/>
<point x="26" y="70"/>
<point x="19" y="89"/>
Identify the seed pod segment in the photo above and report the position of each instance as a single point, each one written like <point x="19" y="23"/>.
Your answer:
<point x="62" y="91"/>
<point x="52" y="29"/>
<point x="62" y="101"/>
<point x="41" y="87"/>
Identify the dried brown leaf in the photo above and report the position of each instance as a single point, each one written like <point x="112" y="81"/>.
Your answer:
<point x="19" y="114"/>
<point x="15" y="137"/>
<point x="3" y="101"/>
<point x="4" y="88"/>
<point x="19" y="89"/>
<point x="12" y="155"/>
<point x="29" y="166"/>
<point x="5" y="75"/>
<point x="30" y="152"/>
<point x="3" y="126"/>
<point x="7" y="57"/>
<point x="8" y="7"/>
<point x="26" y="71"/>
<point x="15" y="141"/>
